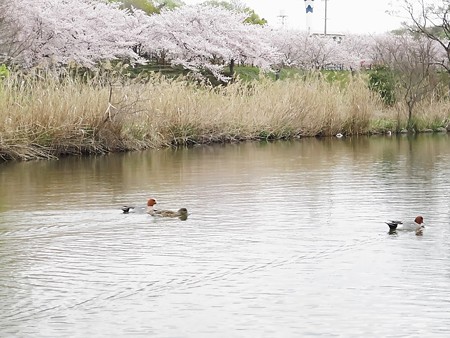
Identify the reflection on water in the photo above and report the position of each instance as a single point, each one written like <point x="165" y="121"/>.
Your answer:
<point x="283" y="239"/>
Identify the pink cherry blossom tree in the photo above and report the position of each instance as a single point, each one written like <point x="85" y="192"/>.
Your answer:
<point x="299" y="49"/>
<point x="357" y="50"/>
<point x="198" y="38"/>
<point x="292" y="45"/>
<point x="58" y="32"/>
<point x="201" y="38"/>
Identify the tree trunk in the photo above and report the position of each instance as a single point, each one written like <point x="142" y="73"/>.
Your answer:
<point x="409" y="125"/>
<point x="232" y="68"/>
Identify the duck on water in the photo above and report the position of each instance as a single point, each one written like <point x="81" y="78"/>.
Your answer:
<point x="416" y="226"/>
<point x="181" y="213"/>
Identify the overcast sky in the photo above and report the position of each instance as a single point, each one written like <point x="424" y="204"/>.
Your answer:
<point x="343" y="16"/>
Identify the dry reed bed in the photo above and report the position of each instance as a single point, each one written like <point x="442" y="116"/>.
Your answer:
<point x="48" y="117"/>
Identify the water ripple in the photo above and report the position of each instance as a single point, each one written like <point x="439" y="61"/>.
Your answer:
<point x="290" y="236"/>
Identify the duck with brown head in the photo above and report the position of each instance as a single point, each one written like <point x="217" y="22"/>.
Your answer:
<point x="182" y="213"/>
<point x="407" y="226"/>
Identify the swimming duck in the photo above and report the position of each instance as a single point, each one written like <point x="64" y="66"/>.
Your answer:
<point x="412" y="226"/>
<point x="182" y="213"/>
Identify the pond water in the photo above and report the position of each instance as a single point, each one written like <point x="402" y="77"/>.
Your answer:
<point x="284" y="239"/>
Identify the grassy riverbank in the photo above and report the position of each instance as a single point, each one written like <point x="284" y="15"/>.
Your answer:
<point x="47" y="118"/>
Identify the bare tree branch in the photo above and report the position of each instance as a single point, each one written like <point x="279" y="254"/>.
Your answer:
<point x="431" y="20"/>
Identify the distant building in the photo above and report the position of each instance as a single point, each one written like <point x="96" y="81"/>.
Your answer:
<point x="335" y="36"/>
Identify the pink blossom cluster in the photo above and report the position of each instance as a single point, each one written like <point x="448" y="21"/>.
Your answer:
<point x="52" y="33"/>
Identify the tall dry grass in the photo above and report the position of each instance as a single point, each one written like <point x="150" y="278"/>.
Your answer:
<point x="46" y="116"/>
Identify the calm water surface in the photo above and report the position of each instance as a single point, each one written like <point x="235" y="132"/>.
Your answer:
<point x="283" y="240"/>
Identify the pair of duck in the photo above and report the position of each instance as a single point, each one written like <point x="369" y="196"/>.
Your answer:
<point x="182" y="213"/>
<point x="416" y="226"/>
